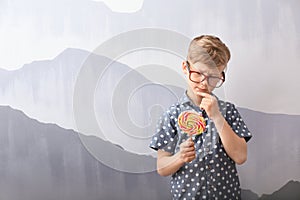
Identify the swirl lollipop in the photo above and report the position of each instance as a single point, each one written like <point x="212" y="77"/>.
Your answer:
<point x="191" y="123"/>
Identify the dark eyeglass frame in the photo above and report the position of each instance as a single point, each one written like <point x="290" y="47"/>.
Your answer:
<point x="222" y="79"/>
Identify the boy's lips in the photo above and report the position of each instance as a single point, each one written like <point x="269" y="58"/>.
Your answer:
<point x="202" y="90"/>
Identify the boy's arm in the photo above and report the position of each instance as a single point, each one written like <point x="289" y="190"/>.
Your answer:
<point x="168" y="164"/>
<point x="235" y="146"/>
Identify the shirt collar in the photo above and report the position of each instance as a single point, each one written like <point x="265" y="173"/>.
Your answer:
<point x="185" y="99"/>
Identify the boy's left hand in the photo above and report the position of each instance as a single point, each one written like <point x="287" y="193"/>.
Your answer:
<point x="210" y="104"/>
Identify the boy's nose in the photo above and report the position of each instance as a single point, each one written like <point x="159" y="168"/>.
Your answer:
<point x="203" y="84"/>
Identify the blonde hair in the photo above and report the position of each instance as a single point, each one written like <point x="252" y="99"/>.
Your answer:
<point x="209" y="50"/>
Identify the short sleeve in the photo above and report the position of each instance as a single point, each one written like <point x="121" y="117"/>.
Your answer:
<point x="236" y="122"/>
<point x="165" y="137"/>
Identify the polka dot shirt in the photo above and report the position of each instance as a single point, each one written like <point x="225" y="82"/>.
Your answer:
<point x="212" y="174"/>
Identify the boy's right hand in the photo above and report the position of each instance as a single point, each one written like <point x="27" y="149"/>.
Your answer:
<point x="187" y="150"/>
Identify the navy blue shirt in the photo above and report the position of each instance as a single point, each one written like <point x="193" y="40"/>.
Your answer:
<point x="212" y="174"/>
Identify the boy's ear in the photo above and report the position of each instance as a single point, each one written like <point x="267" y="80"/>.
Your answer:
<point x="184" y="67"/>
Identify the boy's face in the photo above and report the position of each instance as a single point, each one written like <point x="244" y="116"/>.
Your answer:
<point x="202" y="78"/>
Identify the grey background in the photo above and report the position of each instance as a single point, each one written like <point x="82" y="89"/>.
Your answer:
<point x="262" y="80"/>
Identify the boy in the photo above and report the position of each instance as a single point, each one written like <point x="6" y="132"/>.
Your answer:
<point x="203" y="166"/>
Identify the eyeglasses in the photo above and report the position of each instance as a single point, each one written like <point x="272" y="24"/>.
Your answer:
<point x="197" y="77"/>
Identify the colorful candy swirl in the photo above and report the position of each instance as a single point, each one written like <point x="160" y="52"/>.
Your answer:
<point x="191" y="123"/>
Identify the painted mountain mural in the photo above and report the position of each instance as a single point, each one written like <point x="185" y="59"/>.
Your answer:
<point x="288" y="191"/>
<point x="273" y="151"/>
<point x="43" y="157"/>
<point x="44" y="161"/>
<point x="44" y="90"/>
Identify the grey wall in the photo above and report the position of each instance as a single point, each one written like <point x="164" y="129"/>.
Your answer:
<point x="42" y="54"/>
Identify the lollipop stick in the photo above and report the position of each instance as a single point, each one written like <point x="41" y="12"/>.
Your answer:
<point x="192" y="136"/>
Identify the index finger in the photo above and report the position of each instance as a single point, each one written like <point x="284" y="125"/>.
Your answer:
<point x="204" y="94"/>
<point x="188" y="143"/>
